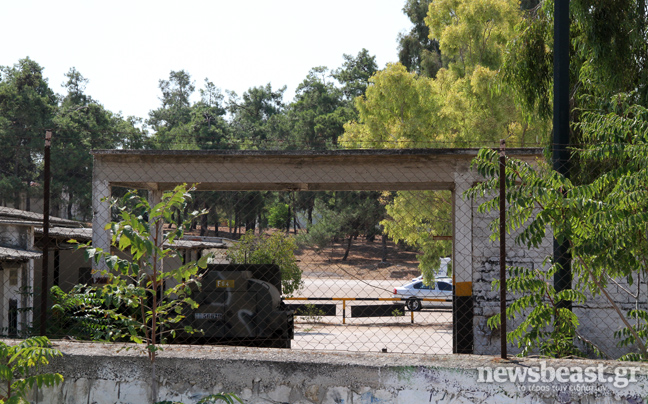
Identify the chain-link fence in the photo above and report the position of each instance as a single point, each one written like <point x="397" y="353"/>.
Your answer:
<point x="346" y="250"/>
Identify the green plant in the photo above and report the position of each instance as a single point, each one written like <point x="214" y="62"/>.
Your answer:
<point x="277" y="249"/>
<point x="603" y="220"/>
<point x="311" y="313"/>
<point x="19" y="365"/>
<point x="397" y="313"/>
<point x="279" y="215"/>
<point x="144" y="302"/>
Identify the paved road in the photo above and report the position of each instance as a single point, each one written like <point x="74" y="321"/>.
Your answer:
<point x="347" y="288"/>
<point x="430" y="333"/>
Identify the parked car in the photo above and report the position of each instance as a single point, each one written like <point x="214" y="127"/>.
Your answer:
<point x="416" y="290"/>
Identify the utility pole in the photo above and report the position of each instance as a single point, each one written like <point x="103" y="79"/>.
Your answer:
<point x="562" y="256"/>
<point x="502" y="231"/>
<point x="46" y="209"/>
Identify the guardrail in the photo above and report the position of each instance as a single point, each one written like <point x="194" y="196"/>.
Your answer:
<point x="366" y="299"/>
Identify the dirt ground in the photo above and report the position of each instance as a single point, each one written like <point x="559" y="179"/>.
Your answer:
<point x="364" y="260"/>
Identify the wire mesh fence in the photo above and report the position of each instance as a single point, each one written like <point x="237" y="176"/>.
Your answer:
<point x="351" y="251"/>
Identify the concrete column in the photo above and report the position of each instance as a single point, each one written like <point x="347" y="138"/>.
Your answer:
<point x="462" y="265"/>
<point x="100" y="218"/>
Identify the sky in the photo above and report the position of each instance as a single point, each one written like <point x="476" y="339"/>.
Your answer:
<point x="125" y="47"/>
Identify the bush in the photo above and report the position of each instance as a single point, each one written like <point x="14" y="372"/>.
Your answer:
<point x="277" y="249"/>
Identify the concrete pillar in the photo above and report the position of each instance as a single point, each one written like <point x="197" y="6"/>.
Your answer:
<point x="100" y="218"/>
<point x="462" y="265"/>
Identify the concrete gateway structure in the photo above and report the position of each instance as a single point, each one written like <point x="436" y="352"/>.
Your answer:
<point x="340" y="170"/>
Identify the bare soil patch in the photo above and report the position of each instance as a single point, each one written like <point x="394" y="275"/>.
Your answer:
<point x="364" y="260"/>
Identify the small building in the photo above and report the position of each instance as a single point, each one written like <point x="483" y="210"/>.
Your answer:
<point x="21" y="262"/>
<point x="18" y="253"/>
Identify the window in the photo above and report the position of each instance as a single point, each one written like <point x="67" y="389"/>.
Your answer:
<point x="13" y="277"/>
<point x="85" y="275"/>
<point x="444" y="286"/>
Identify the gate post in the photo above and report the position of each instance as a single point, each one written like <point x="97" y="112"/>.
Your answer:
<point x="462" y="268"/>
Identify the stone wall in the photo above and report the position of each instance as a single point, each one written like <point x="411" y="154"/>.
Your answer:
<point x="598" y="319"/>
<point x="108" y="374"/>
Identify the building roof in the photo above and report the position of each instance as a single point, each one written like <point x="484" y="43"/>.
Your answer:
<point x="18" y="216"/>
<point x="85" y="234"/>
<point x="15" y="254"/>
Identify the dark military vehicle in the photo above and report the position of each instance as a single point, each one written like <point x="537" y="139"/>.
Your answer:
<point x="240" y="305"/>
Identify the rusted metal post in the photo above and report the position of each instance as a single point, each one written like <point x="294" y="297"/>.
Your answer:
<point x="46" y="209"/>
<point x="502" y="231"/>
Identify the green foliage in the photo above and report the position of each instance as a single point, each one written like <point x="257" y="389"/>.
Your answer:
<point x="279" y="215"/>
<point x="604" y="220"/>
<point x="416" y="217"/>
<point x="277" y="249"/>
<point x="27" y="105"/>
<point x="19" y="366"/>
<point x="144" y="302"/>
<point x="546" y="328"/>
<point x="130" y="296"/>
<point x="355" y="73"/>
<point x="344" y="215"/>
<point x="311" y="313"/>
<point x="81" y="313"/>
<point x="317" y="116"/>
<point x="256" y="116"/>
<point x="82" y="124"/>
<point x="417" y="50"/>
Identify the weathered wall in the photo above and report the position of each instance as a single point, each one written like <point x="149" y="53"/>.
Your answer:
<point x="103" y="374"/>
<point x="598" y="319"/>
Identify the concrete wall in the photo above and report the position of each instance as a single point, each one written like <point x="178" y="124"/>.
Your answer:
<point x="108" y="374"/>
<point x="598" y="319"/>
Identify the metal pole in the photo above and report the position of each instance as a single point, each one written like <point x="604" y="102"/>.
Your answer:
<point x="502" y="231"/>
<point x="562" y="257"/>
<point x="46" y="220"/>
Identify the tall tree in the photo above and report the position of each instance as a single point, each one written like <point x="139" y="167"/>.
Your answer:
<point x="355" y="73"/>
<point x="466" y="104"/>
<point x="417" y="51"/>
<point x="209" y="127"/>
<point x="315" y="118"/>
<point x="254" y="115"/>
<point x="81" y="125"/>
<point x="27" y="106"/>
<point x="172" y="121"/>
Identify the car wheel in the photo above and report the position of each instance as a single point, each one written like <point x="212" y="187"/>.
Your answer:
<point x="414" y="304"/>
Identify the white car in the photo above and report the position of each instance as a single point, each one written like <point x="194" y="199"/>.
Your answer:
<point x="416" y="290"/>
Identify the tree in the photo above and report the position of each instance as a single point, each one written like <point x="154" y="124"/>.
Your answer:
<point x="20" y="365"/>
<point x="82" y="124"/>
<point x="172" y="121"/>
<point x="210" y="129"/>
<point x="316" y="118"/>
<point x="139" y="293"/>
<point x="276" y="249"/>
<point x="418" y="51"/>
<point x="399" y="110"/>
<point x="254" y="116"/>
<point x="345" y="215"/>
<point x="27" y="106"/>
<point x="608" y="49"/>
<point x="355" y="73"/>
<point x="465" y="104"/>
<point x="604" y="222"/>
